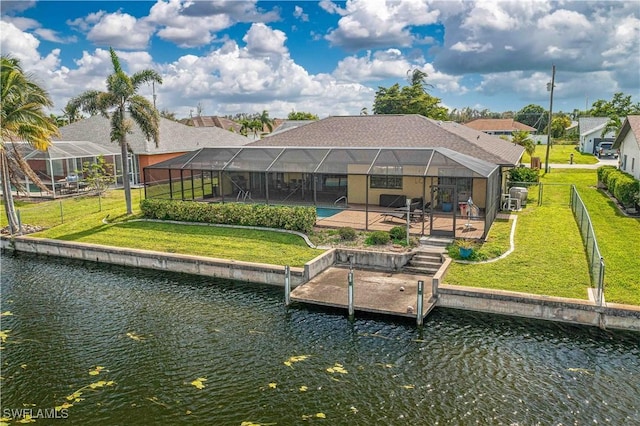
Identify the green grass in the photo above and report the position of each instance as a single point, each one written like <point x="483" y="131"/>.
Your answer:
<point x="83" y="222"/>
<point x="549" y="257"/>
<point x="560" y="154"/>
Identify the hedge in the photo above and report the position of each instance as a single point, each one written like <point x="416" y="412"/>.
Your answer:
<point x="620" y="184"/>
<point x="294" y="218"/>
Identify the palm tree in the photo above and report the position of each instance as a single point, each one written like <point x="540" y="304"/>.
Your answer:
<point x="521" y="137"/>
<point x="613" y="125"/>
<point x="265" y="120"/>
<point x="22" y="119"/>
<point x="121" y="97"/>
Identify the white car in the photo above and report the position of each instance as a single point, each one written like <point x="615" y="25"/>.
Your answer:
<point x="605" y="149"/>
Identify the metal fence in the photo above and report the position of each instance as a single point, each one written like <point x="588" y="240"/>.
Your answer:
<point x="596" y="262"/>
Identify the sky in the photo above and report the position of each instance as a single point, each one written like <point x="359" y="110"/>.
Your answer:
<point x="328" y="57"/>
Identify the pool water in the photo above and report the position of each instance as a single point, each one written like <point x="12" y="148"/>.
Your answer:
<point x="325" y="212"/>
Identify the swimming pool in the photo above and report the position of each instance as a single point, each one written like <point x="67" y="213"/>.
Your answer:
<point x="325" y="212"/>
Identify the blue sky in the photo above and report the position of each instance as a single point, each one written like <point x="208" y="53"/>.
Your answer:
<point x="329" y="57"/>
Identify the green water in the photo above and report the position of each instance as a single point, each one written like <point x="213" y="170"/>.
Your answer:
<point x="460" y="369"/>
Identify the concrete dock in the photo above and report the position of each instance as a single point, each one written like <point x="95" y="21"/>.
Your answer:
<point x="374" y="291"/>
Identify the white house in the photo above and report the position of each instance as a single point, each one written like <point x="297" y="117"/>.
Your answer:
<point x="591" y="133"/>
<point x="628" y="142"/>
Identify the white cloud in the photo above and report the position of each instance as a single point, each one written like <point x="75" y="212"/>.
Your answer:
<point x="122" y="31"/>
<point x="299" y="13"/>
<point x="378" y="23"/>
<point x="471" y="46"/>
<point x="264" y="41"/>
<point x="19" y="44"/>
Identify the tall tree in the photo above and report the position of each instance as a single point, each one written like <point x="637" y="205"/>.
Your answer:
<point x="123" y="106"/>
<point x="266" y="121"/>
<point x="534" y="116"/>
<point x="620" y="106"/>
<point x="22" y="119"/>
<point x="412" y="99"/>
<point x="522" y="138"/>
<point x="293" y="115"/>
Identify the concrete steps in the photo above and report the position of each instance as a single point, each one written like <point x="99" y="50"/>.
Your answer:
<point x="425" y="262"/>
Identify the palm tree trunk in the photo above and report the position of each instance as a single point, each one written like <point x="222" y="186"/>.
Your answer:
<point x="7" y="196"/>
<point x="125" y="173"/>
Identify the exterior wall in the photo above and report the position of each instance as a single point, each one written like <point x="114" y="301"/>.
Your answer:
<point x="587" y="144"/>
<point x="630" y="155"/>
<point x="149" y="160"/>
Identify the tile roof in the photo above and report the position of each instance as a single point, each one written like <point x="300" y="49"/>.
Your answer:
<point x="389" y="131"/>
<point x="498" y="125"/>
<point x="174" y="136"/>
<point x="631" y="123"/>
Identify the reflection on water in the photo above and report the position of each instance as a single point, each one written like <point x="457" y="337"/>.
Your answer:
<point x="156" y="334"/>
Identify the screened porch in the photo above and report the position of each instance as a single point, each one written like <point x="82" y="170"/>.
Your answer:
<point x="443" y="191"/>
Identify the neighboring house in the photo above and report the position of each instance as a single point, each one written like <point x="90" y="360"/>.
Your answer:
<point x="175" y="140"/>
<point x="213" y="121"/>
<point x="60" y="165"/>
<point x="628" y="142"/>
<point x="499" y="126"/>
<point x="288" y="125"/>
<point x="369" y="161"/>
<point x="591" y="133"/>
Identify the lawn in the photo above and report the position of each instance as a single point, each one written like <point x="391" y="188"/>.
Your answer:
<point x="83" y="222"/>
<point x="549" y="257"/>
<point x="560" y="154"/>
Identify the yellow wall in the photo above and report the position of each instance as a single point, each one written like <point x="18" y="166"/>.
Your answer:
<point x="412" y="187"/>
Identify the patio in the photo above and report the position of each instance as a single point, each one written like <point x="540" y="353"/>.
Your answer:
<point x="357" y="218"/>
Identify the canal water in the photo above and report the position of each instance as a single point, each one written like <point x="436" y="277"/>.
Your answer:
<point x="132" y="347"/>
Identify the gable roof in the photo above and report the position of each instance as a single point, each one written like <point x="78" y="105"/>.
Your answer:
<point x="498" y="125"/>
<point x="589" y="125"/>
<point x="174" y="136"/>
<point x="390" y="131"/>
<point x="213" y="121"/>
<point x="288" y="125"/>
<point x="631" y="124"/>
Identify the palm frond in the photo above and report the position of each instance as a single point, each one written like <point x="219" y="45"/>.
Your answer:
<point x="146" y="117"/>
<point x="145" y="76"/>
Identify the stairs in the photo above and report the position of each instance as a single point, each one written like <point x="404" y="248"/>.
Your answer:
<point x="428" y="258"/>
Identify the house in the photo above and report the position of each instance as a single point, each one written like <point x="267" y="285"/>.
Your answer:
<point x="59" y="166"/>
<point x="370" y="163"/>
<point x="175" y="139"/>
<point x="591" y="133"/>
<point x="628" y="142"/>
<point x="499" y="126"/>
<point x="213" y="121"/>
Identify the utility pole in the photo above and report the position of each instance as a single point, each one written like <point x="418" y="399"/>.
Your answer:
<point x="153" y="87"/>
<point x="550" y="89"/>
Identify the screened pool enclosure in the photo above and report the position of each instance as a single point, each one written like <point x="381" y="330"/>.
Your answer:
<point x="429" y="183"/>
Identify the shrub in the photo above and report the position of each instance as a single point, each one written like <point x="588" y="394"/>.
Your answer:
<point x="398" y="233"/>
<point x="347" y="234"/>
<point x="523" y="174"/>
<point x="377" y="238"/>
<point x="603" y="173"/>
<point x="292" y="218"/>
<point x="620" y="184"/>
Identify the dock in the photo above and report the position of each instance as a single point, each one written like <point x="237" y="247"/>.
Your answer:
<point x="387" y="293"/>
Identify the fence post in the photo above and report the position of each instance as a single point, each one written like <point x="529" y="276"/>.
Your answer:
<point x="19" y="220"/>
<point x="350" y="293"/>
<point x="287" y="285"/>
<point x="419" y="302"/>
<point x="61" y="213"/>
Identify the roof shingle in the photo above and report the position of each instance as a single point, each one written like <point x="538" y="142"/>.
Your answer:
<point x="389" y="131"/>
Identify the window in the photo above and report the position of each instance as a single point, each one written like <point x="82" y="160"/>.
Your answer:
<point x="463" y="185"/>
<point x="386" y="177"/>
<point x="633" y="164"/>
<point x="624" y="162"/>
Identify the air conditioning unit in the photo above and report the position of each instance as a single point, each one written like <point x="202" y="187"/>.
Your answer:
<point x="520" y="193"/>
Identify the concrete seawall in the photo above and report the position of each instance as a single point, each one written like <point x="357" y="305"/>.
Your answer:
<point x="583" y="312"/>
<point x="197" y="265"/>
